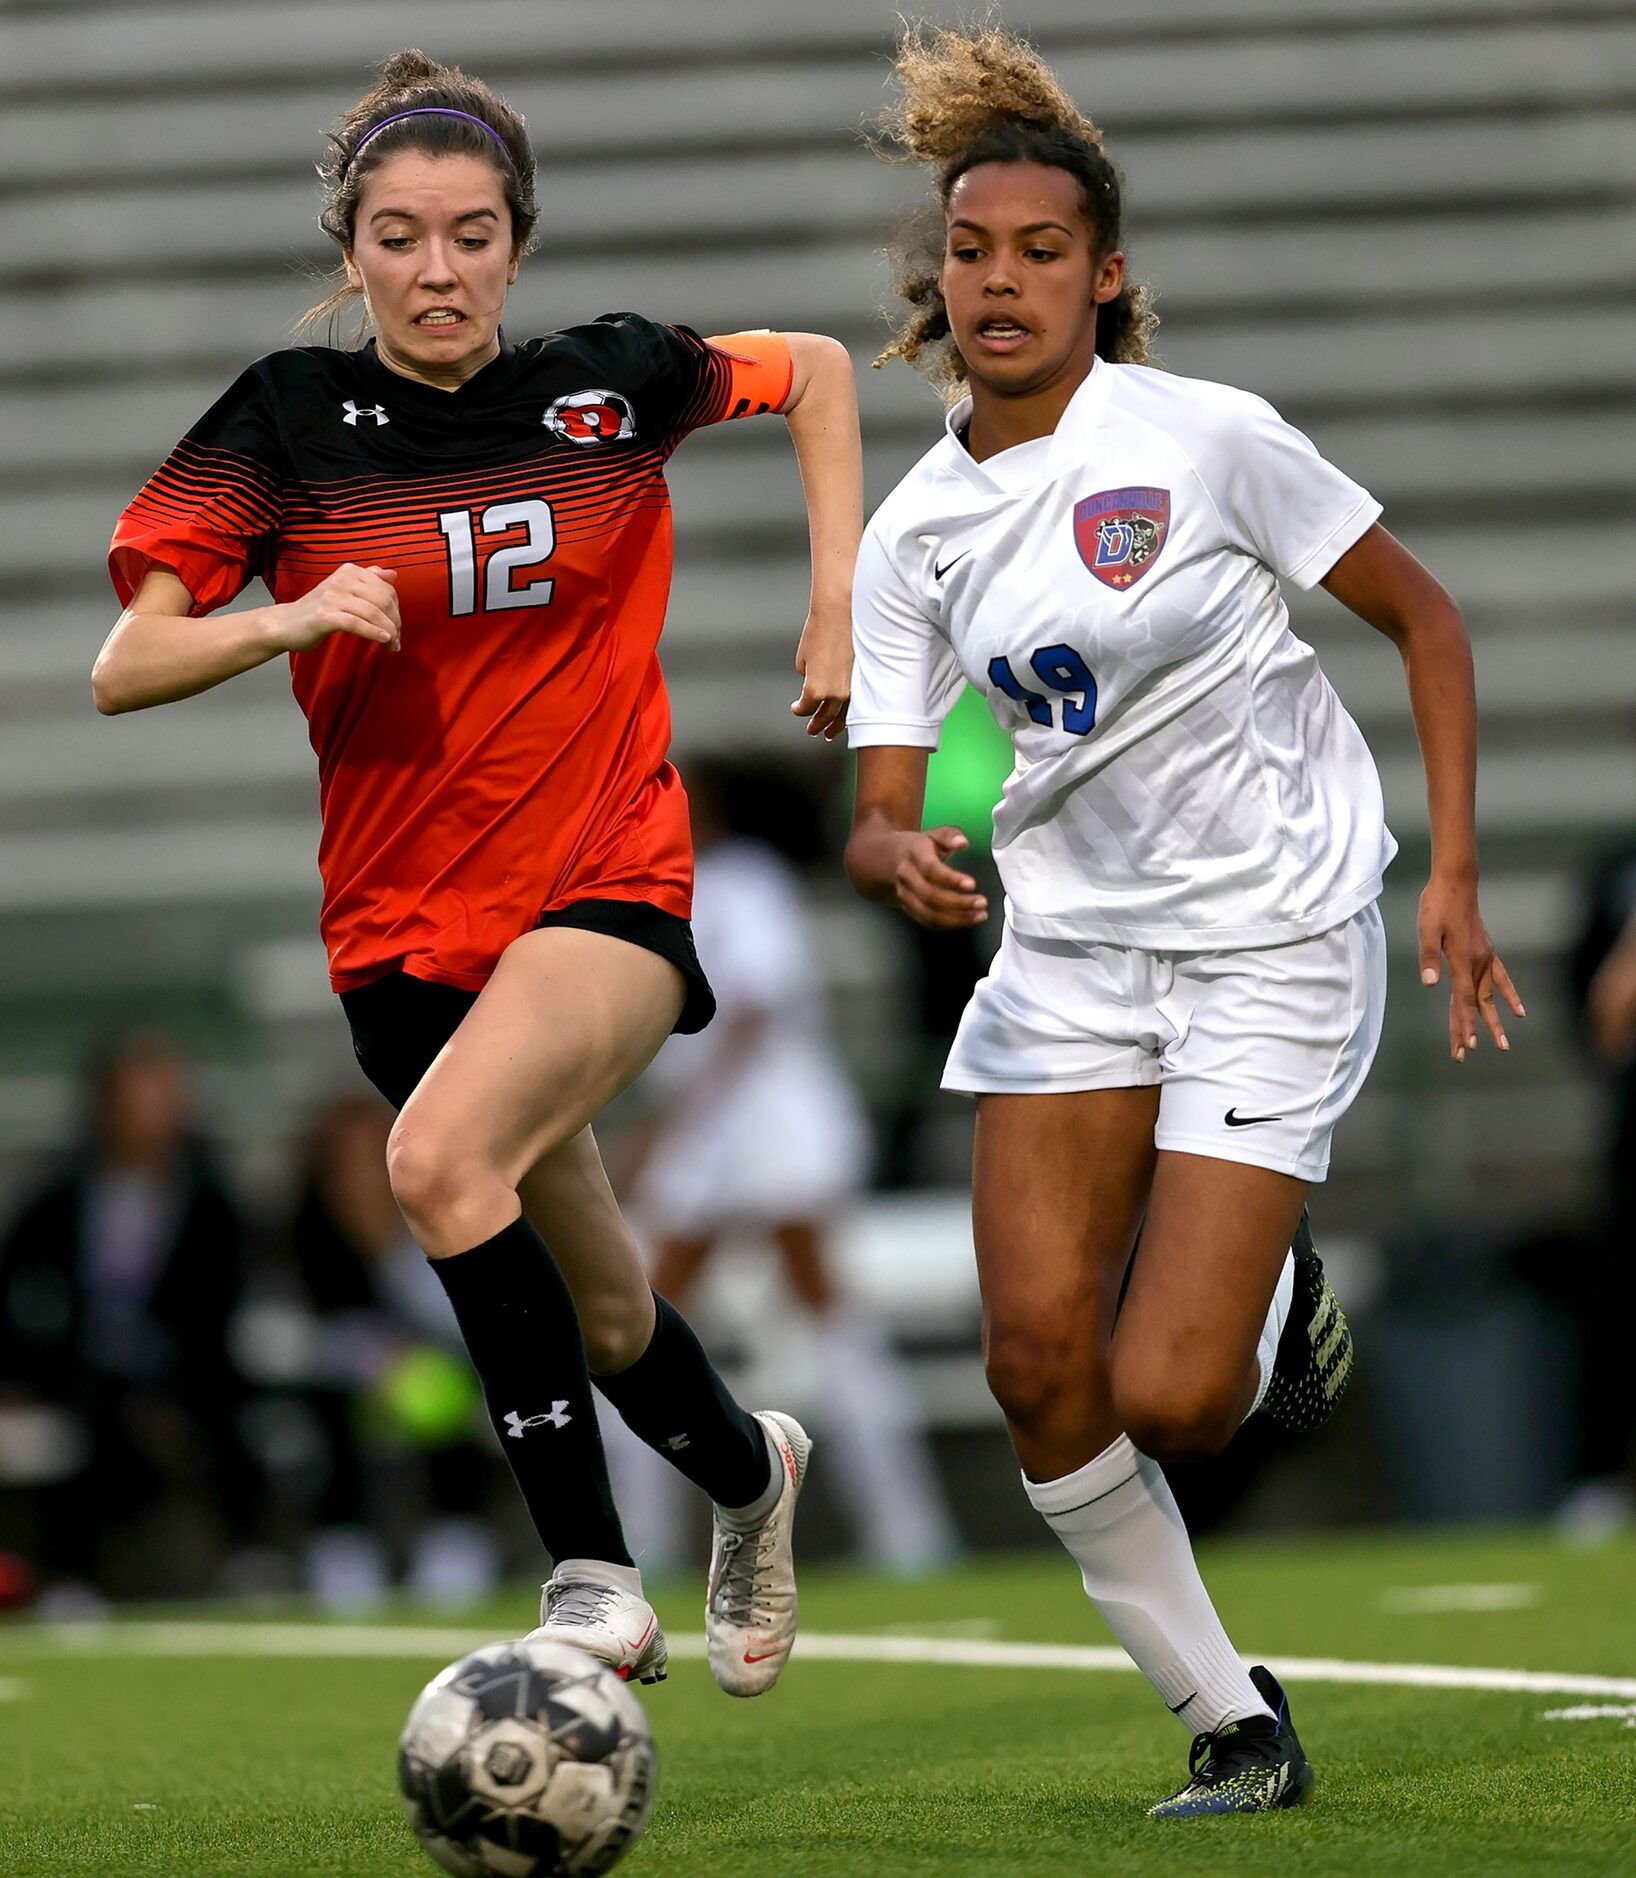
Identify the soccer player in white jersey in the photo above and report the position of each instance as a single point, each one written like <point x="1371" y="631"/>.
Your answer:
<point x="1189" y="986"/>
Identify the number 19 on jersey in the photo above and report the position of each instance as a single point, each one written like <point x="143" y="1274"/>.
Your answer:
<point x="1060" y="668"/>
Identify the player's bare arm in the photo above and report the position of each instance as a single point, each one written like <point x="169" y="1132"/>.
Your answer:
<point x="892" y="859"/>
<point x="1380" y="581"/>
<point x="158" y="653"/>
<point x="822" y="413"/>
<point x="1610" y="1001"/>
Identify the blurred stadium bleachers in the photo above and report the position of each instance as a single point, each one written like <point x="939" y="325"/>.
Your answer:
<point x="1409" y="223"/>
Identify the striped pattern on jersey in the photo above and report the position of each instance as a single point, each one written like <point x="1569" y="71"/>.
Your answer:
<point x="511" y="758"/>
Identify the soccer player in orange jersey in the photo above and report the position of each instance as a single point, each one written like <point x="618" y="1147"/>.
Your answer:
<point x="468" y="546"/>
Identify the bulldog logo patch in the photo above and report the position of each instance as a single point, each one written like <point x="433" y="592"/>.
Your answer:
<point x="1120" y="533"/>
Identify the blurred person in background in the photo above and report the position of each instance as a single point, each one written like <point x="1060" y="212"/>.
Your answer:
<point x="119" y="1282"/>
<point x="758" y="1134"/>
<point x="388" y="1383"/>
<point x="469" y="547"/>
<point x="1603" y="978"/>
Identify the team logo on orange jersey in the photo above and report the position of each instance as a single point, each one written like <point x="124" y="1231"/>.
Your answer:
<point x="1119" y="533"/>
<point x="591" y="417"/>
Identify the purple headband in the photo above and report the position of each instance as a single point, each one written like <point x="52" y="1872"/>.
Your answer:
<point x="430" y="110"/>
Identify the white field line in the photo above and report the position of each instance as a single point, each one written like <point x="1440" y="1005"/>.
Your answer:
<point x="982" y="1629"/>
<point x="1437" y="1600"/>
<point x="445" y="1645"/>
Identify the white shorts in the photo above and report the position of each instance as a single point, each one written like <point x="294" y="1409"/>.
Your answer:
<point x="1257" y="1054"/>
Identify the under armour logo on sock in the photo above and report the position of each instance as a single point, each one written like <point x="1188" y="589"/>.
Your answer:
<point x="558" y="1418"/>
<point x="352" y="412"/>
<point x="675" y="1444"/>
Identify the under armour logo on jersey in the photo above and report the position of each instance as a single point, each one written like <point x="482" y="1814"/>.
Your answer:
<point x="1119" y="533"/>
<point x="591" y="417"/>
<point x="352" y="412"/>
<point x="516" y="1424"/>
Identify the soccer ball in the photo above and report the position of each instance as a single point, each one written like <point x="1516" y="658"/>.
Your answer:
<point x="527" y="1760"/>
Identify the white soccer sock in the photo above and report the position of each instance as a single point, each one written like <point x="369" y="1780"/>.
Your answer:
<point x="1122" y="1527"/>
<point x="1266" y="1350"/>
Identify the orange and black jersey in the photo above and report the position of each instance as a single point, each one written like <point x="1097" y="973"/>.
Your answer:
<point x="511" y="757"/>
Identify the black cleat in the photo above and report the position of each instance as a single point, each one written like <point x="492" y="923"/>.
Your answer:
<point x="1315" y="1355"/>
<point x="1252" y="1766"/>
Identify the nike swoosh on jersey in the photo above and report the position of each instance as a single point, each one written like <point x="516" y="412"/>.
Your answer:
<point x="1234" y="1120"/>
<point x="939" y="572"/>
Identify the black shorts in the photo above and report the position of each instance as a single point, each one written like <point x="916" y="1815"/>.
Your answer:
<point x="400" y="1023"/>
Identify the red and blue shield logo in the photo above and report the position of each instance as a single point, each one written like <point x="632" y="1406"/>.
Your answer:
<point x="1121" y="532"/>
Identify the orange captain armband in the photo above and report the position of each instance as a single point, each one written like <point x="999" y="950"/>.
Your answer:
<point x="763" y="371"/>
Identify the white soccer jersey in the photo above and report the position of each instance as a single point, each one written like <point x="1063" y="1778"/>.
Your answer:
<point x="1186" y="778"/>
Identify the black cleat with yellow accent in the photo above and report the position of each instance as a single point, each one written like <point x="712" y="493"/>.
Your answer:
<point x="1315" y="1356"/>
<point x="1252" y="1766"/>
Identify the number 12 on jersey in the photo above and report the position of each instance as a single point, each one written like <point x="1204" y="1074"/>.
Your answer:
<point x="499" y="591"/>
<point x="1058" y="668"/>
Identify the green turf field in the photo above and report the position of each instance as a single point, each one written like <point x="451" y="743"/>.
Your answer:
<point x="216" y="1763"/>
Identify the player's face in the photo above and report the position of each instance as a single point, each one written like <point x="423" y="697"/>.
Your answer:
<point x="1022" y="278"/>
<point x="432" y="250"/>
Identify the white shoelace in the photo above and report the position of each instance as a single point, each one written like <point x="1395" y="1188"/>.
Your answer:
<point x="580" y="1604"/>
<point x="736" y="1588"/>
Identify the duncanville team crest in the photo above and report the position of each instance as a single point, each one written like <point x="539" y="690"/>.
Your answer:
<point x="1120" y="532"/>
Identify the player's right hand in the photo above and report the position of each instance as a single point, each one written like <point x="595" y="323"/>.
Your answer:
<point x="930" y="891"/>
<point x="357" y="600"/>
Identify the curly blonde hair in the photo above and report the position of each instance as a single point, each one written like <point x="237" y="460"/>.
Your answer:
<point x="973" y="95"/>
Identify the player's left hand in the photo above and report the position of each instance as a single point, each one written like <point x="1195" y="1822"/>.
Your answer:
<point x="824" y="661"/>
<point x="1451" y="927"/>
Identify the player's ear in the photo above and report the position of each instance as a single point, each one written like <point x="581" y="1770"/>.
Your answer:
<point x="355" y="280"/>
<point x="516" y="263"/>
<point x="1110" y="279"/>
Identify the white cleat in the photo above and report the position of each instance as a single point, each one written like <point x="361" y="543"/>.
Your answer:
<point x="750" y="1609"/>
<point x="582" y="1607"/>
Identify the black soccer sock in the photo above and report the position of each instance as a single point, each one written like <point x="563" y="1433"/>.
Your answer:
<point x="672" y="1398"/>
<point x="517" y="1316"/>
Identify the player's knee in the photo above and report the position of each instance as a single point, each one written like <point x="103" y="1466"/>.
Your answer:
<point x="418" y="1168"/>
<point x="617" y="1329"/>
<point x="1171" y="1421"/>
<point x="436" y="1185"/>
<point x="1032" y="1369"/>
